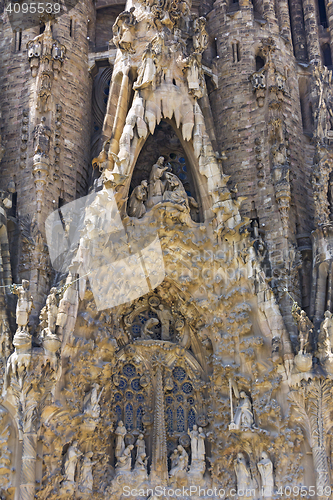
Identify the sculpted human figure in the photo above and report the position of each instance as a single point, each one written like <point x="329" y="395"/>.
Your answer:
<point x="194" y="435"/>
<point x="174" y="459"/>
<point x="141" y="462"/>
<point x="242" y="473"/>
<point x="140" y="446"/>
<point x="136" y="206"/>
<point x="71" y="459"/>
<point x="243" y="414"/>
<point x="125" y="459"/>
<point x="165" y="317"/>
<point x="86" y="475"/>
<point x="123" y="30"/>
<point x="201" y="445"/>
<point x="325" y="336"/>
<point x="147" y="70"/>
<point x="24" y="304"/>
<point x="156" y="185"/>
<point x="52" y="309"/>
<point x="42" y="134"/>
<point x="265" y="467"/>
<point x="91" y="406"/>
<point x="174" y="190"/>
<point x="120" y="432"/>
<point x="305" y="327"/>
<point x="182" y="461"/>
<point x="200" y="38"/>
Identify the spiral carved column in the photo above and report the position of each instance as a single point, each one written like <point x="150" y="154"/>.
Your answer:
<point x="28" y="470"/>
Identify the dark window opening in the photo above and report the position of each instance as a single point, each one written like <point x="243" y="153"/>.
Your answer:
<point x="61" y="202"/>
<point x="41" y="28"/>
<point x="174" y="82"/>
<point x="12" y="211"/>
<point x="322" y="13"/>
<point x="326" y="55"/>
<point x="19" y="40"/>
<point x="215" y="48"/>
<point x="236" y="52"/>
<point x="260" y="63"/>
<point x="71" y="28"/>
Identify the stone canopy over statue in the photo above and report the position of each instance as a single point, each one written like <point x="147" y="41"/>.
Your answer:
<point x="163" y="187"/>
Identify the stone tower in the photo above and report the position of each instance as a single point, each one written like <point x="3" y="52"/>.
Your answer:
<point x="166" y="250"/>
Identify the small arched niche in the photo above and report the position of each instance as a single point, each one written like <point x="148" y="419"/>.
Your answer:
<point x="165" y="143"/>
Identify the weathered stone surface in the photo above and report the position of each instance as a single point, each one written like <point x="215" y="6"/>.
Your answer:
<point x="166" y="225"/>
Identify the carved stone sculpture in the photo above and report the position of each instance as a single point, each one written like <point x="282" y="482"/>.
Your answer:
<point x="147" y="333"/>
<point x="124" y="463"/>
<point x="194" y="435"/>
<point x="165" y="317"/>
<point x="201" y="445"/>
<point x="72" y="456"/>
<point x="86" y="473"/>
<point x="42" y="134"/>
<point x="174" y="191"/>
<point x="91" y="407"/>
<point x="52" y="309"/>
<point x="243" y="415"/>
<point x="265" y="467"/>
<point x="136" y="207"/>
<point x="120" y="432"/>
<point x="24" y="304"/>
<point x="181" y="461"/>
<point x="305" y="327"/>
<point x="147" y="70"/>
<point x="140" y="446"/>
<point x="243" y="473"/>
<point x="156" y="185"/>
<point x="123" y="31"/>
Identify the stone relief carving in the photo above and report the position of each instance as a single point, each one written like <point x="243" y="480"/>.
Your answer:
<point x="46" y="57"/>
<point x="123" y="31"/>
<point x="265" y="467"/>
<point x="163" y="187"/>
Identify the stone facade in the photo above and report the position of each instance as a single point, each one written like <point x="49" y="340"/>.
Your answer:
<point x="166" y="254"/>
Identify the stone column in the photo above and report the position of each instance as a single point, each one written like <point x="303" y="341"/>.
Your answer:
<point x="159" y="472"/>
<point x="298" y="30"/>
<point x="311" y="29"/>
<point x="329" y="12"/>
<point x="28" y="471"/>
<point x="269" y="15"/>
<point x="284" y="19"/>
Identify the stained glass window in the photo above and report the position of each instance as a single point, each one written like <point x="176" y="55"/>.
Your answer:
<point x="180" y="404"/>
<point x="179" y="373"/>
<point x="191" y="418"/>
<point x="187" y="388"/>
<point x="139" y="415"/>
<point x="129" y="417"/>
<point x="169" y="417"/>
<point x="180" y="419"/>
<point x="129" y="397"/>
<point x="129" y="370"/>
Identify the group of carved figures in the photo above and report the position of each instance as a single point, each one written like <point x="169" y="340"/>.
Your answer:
<point x="306" y="332"/>
<point x="245" y="480"/>
<point x="179" y="458"/>
<point x="124" y="453"/>
<point x="163" y="186"/>
<point x="72" y="457"/>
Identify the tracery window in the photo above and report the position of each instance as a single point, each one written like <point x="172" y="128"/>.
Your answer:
<point x="130" y="398"/>
<point x="180" y="404"/>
